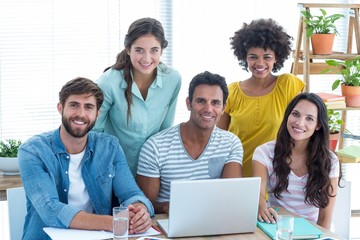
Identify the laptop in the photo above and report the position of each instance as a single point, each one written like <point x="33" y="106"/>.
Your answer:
<point x="212" y="207"/>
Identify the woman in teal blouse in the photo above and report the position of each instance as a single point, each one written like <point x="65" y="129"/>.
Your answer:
<point x="140" y="91"/>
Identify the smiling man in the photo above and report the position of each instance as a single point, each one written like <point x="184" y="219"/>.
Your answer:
<point x="196" y="149"/>
<point x="71" y="174"/>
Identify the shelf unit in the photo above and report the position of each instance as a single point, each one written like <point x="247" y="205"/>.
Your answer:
<point x="303" y="58"/>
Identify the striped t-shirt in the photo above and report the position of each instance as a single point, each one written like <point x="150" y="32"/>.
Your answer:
<point x="164" y="156"/>
<point x="294" y="200"/>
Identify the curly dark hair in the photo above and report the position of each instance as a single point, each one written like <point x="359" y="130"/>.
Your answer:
<point x="318" y="186"/>
<point x="262" y="33"/>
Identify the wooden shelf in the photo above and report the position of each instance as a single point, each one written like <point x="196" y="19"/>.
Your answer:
<point x="334" y="55"/>
<point x="306" y="63"/>
<point x="303" y="57"/>
<point x="328" y="5"/>
<point x="314" y="68"/>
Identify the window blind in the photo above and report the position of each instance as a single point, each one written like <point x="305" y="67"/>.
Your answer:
<point x="44" y="44"/>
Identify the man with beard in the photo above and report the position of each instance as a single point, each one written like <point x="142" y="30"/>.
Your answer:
<point x="70" y="175"/>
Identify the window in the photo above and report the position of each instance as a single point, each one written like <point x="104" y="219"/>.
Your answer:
<point x="45" y="43"/>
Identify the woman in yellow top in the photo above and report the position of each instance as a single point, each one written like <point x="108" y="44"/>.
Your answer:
<point x="256" y="106"/>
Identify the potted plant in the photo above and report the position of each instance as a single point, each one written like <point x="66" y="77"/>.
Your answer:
<point x="349" y="80"/>
<point x="321" y="29"/>
<point x="8" y="156"/>
<point x="334" y="122"/>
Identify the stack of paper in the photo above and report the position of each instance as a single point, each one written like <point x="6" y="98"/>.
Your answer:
<point x="77" y="234"/>
<point x="332" y="101"/>
<point x="302" y="229"/>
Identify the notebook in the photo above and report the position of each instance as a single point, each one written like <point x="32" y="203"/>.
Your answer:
<point x="212" y="207"/>
<point x="330" y="97"/>
<point x="302" y="229"/>
<point x="349" y="154"/>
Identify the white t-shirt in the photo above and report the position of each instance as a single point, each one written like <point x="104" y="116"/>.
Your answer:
<point x="78" y="195"/>
<point x="294" y="200"/>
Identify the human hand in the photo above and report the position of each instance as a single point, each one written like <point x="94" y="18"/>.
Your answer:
<point x="139" y="218"/>
<point x="268" y="215"/>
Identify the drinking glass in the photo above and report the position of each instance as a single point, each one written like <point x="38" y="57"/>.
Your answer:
<point x="284" y="227"/>
<point x="120" y="223"/>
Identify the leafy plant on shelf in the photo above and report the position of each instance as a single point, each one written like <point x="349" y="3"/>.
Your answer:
<point x="9" y="147"/>
<point x="348" y="69"/>
<point x="322" y="24"/>
<point x="334" y="121"/>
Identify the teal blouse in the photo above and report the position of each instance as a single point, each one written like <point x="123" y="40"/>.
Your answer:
<point x="148" y="116"/>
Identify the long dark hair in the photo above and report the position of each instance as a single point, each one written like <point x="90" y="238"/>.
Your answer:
<point x="318" y="187"/>
<point x="140" y="27"/>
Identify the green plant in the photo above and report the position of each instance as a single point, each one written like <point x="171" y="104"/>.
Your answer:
<point x="320" y="24"/>
<point x="9" y="147"/>
<point x="334" y="121"/>
<point x="348" y="69"/>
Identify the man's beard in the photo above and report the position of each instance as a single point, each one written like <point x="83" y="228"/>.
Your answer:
<point x="76" y="133"/>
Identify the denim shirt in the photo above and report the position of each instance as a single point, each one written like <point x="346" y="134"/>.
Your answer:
<point x="44" y="165"/>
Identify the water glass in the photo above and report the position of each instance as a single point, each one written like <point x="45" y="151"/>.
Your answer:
<point x="120" y="223"/>
<point x="284" y="227"/>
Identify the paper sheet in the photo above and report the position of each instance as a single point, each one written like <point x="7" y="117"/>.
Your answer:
<point x="76" y="234"/>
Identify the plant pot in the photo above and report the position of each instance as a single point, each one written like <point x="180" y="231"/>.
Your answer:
<point x="333" y="140"/>
<point x="9" y="165"/>
<point x="322" y="43"/>
<point x="352" y="95"/>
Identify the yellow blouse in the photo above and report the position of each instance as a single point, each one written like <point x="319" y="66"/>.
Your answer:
<point x="256" y="120"/>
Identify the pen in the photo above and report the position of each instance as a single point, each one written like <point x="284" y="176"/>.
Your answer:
<point x="156" y="228"/>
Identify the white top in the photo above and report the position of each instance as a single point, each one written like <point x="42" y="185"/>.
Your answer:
<point x="78" y="195"/>
<point x="294" y="200"/>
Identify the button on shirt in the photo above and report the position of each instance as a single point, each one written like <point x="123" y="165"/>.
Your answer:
<point x="44" y="165"/>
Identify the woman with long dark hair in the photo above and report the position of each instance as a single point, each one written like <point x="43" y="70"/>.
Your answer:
<point x="299" y="171"/>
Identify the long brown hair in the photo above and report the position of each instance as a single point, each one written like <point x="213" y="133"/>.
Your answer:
<point x="318" y="187"/>
<point x="140" y="27"/>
